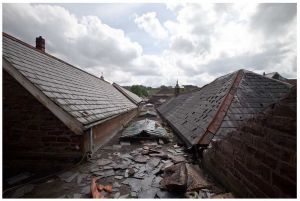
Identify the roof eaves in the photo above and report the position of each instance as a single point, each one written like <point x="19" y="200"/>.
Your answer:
<point x="61" y="114"/>
<point x="90" y="125"/>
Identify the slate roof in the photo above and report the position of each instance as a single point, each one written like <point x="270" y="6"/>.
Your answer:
<point x="85" y="97"/>
<point x="277" y="76"/>
<point x="131" y="96"/>
<point x="221" y="106"/>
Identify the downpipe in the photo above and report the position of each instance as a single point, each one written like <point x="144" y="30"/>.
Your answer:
<point x="89" y="154"/>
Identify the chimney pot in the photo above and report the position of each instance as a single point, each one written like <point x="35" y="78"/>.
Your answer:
<point x="40" y="43"/>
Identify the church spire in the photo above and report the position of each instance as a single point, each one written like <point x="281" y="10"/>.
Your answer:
<point x="177" y="88"/>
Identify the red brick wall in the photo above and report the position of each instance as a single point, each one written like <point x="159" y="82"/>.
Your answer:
<point x="259" y="159"/>
<point x="30" y="130"/>
<point x="105" y="131"/>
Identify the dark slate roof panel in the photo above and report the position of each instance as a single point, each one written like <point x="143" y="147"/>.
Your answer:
<point x="86" y="97"/>
<point x="191" y="113"/>
<point x="254" y="94"/>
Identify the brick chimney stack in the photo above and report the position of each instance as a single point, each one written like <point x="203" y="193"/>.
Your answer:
<point x="40" y="43"/>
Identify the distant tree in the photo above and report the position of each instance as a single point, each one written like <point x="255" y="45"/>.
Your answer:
<point x="139" y="90"/>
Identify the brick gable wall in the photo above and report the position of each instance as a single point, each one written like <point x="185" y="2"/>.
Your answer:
<point x="259" y="158"/>
<point x="31" y="131"/>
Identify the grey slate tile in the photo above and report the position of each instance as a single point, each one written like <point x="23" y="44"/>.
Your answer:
<point x="66" y="84"/>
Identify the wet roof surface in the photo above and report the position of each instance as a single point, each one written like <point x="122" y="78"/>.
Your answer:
<point x="191" y="114"/>
<point x="84" y="96"/>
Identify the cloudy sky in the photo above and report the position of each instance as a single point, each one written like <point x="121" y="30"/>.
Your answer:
<point x="156" y="44"/>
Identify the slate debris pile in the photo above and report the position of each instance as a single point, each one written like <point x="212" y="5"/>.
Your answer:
<point x="145" y="129"/>
<point x="141" y="170"/>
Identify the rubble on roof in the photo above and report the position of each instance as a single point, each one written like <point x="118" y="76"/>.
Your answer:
<point x="144" y="129"/>
<point x="148" y="113"/>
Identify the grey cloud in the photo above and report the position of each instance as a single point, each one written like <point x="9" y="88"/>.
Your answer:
<point x="182" y="45"/>
<point x="265" y="60"/>
<point x="274" y="18"/>
<point x="84" y="42"/>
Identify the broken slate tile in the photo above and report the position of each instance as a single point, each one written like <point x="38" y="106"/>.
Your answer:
<point x="126" y="156"/>
<point x="146" y="182"/>
<point x="116" y="185"/>
<point x="141" y="159"/>
<point x="117" y="195"/>
<point x="153" y="162"/>
<point x="107" y="167"/>
<point x="119" y="177"/>
<point x="86" y="189"/>
<point x="95" y="170"/>
<point x="103" y="162"/>
<point x="155" y="182"/>
<point x="124" y="196"/>
<point x="177" y="159"/>
<point x="135" y="184"/>
<point x="156" y="170"/>
<point x="172" y="151"/>
<point x="126" y="173"/>
<point x="150" y="193"/>
<point x="108" y="173"/>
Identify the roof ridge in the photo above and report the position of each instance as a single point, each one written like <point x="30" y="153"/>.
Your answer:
<point x="123" y="91"/>
<point x="288" y="84"/>
<point x="47" y="54"/>
<point x="222" y="110"/>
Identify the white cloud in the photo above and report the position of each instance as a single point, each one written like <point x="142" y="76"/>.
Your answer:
<point x="150" y="24"/>
<point x="205" y="41"/>
<point x="85" y="42"/>
<point x="219" y="38"/>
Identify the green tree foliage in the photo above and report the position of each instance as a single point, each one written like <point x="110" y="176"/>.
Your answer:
<point x="139" y="90"/>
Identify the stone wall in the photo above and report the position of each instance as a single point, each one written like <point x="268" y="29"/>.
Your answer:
<point x="259" y="159"/>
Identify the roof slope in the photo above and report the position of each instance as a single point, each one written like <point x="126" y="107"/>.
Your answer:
<point x="221" y="106"/>
<point x="85" y="97"/>
<point x="131" y="96"/>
